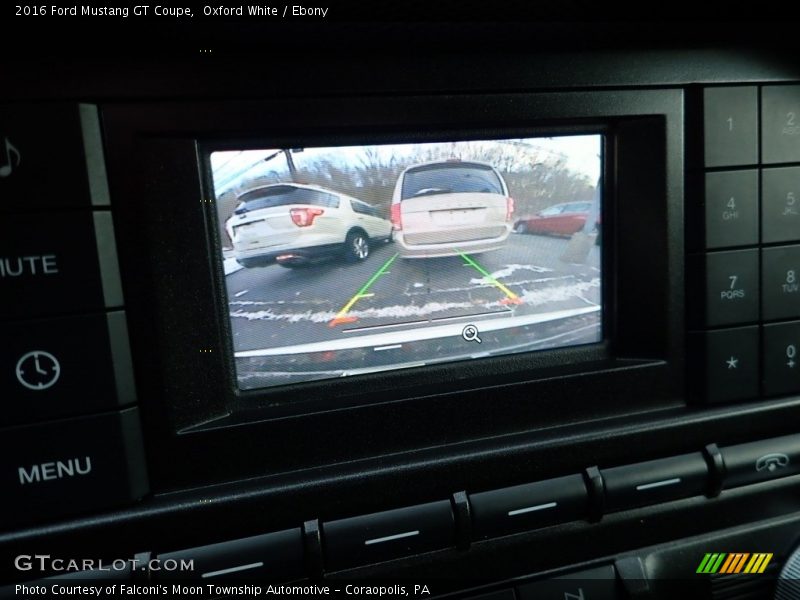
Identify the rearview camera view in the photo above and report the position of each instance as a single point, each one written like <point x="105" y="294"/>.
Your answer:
<point x="340" y="261"/>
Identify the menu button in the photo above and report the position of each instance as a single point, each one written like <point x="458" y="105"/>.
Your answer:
<point x="72" y="467"/>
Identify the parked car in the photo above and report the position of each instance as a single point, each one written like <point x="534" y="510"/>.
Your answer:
<point x="295" y="224"/>
<point x="444" y="208"/>
<point x="560" y="219"/>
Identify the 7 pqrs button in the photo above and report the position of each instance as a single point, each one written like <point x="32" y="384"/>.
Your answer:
<point x="731" y="280"/>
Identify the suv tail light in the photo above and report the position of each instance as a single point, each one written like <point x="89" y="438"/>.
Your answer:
<point x="303" y="217"/>
<point x="509" y="208"/>
<point x="397" y="220"/>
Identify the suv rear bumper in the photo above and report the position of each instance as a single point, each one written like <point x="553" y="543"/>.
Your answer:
<point x="264" y="258"/>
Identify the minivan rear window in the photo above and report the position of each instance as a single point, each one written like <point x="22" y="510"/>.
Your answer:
<point x="283" y="195"/>
<point x="429" y="180"/>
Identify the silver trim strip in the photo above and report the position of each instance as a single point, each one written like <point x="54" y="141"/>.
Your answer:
<point x="232" y="570"/>
<point x="390" y="538"/>
<point x="522" y="511"/>
<point x="93" y="154"/>
<point x="657" y="484"/>
<point x="121" y="359"/>
<point x="107" y="258"/>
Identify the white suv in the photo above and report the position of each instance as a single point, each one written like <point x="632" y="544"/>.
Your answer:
<point x="294" y="225"/>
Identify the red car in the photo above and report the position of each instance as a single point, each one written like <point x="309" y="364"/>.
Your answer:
<point x="560" y="219"/>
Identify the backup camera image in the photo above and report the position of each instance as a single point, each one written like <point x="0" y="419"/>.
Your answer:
<point x="340" y="261"/>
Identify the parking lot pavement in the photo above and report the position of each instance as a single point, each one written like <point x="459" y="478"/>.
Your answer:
<point x="274" y="307"/>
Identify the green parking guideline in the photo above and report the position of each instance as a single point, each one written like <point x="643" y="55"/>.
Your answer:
<point x="511" y="297"/>
<point x="362" y="293"/>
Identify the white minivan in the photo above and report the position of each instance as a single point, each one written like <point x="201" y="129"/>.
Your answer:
<point x="295" y="224"/>
<point x="445" y="208"/>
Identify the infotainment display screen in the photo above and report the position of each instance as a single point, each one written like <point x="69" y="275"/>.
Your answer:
<point x="340" y="261"/>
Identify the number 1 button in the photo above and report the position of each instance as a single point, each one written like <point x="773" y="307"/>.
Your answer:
<point x="730" y="126"/>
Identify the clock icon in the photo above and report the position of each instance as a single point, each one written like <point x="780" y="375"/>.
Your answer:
<point x="38" y="370"/>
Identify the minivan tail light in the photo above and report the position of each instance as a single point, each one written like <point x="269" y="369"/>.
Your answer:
<point x="509" y="208"/>
<point x="397" y="220"/>
<point x="303" y="217"/>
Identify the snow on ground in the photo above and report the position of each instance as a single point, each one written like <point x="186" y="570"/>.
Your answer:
<point x="558" y="293"/>
<point x="534" y="297"/>
<point x="509" y="269"/>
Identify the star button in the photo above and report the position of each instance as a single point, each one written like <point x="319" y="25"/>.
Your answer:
<point x="733" y="362"/>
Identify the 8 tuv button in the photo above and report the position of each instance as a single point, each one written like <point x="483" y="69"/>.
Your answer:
<point x="781" y="284"/>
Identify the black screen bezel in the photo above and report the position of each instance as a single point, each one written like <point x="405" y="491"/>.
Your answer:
<point x="185" y="381"/>
<point x="332" y="394"/>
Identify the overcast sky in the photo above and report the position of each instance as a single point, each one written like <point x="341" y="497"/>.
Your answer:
<point x="580" y="152"/>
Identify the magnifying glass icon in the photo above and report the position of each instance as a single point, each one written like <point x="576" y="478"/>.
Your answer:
<point x="470" y="334"/>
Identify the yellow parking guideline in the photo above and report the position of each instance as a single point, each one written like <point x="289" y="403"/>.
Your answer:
<point x="341" y="315"/>
<point x="512" y="298"/>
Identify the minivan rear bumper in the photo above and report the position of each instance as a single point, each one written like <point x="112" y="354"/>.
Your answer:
<point x="449" y="248"/>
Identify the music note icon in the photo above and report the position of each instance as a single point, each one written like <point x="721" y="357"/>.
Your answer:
<point x="7" y="167"/>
